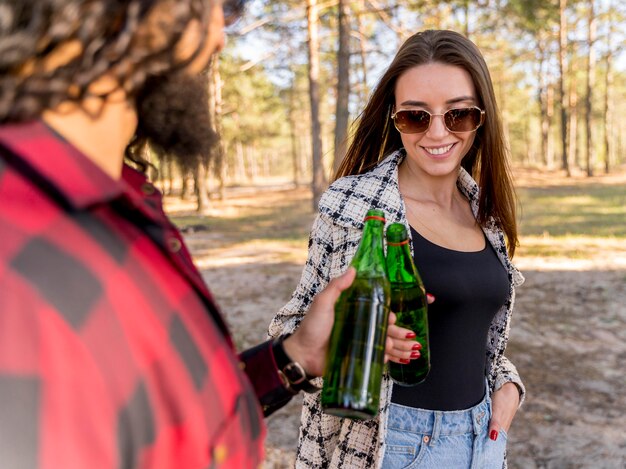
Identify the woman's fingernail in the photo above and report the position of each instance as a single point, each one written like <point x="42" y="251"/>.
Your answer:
<point x="411" y="335"/>
<point x="415" y="354"/>
<point x="405" y="361"/>
<point x="430" y="297"/>
<point x="416" y="346"/>
<point x="493" y="435"/>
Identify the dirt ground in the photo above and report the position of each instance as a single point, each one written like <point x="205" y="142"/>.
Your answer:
<point x="568" y="337"/>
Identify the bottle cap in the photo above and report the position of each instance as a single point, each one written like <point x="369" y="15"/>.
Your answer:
<point x="374" y="214"/>
<point x="397" y="234"/>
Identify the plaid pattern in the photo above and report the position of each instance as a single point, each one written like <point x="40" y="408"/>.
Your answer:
<point x="327" y="441"/>
<point x="112" y="351"/>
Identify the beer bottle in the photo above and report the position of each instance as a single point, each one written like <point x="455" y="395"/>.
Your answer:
<point x="356" y="349"/>
<point x="408" y="302"/>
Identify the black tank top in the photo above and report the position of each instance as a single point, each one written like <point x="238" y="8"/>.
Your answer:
<point x="469" y="287"/>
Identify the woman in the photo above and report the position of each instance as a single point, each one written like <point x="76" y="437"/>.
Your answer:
<point x="430" y="129"/>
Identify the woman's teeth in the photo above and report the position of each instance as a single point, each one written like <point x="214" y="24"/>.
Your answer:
<point x="440" y="150"/>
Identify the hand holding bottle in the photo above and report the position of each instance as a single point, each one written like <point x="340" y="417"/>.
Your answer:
<point x="402" y="345"/>
<point x="309" y="342"/>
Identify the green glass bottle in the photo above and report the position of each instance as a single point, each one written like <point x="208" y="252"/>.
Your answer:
<point x="408" y="302"/>
<point x="356" y="349"/>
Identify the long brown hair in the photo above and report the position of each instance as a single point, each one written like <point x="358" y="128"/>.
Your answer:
<point x="374" y="135"/>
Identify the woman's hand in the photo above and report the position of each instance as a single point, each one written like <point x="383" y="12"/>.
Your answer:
<point x="401" y="345"/>
<point x="504" y="404"/>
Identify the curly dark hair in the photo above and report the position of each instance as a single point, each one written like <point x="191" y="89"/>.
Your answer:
<point x="51" y="51"/>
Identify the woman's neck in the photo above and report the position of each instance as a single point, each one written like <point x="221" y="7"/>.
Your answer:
<point x="420" y="187"/>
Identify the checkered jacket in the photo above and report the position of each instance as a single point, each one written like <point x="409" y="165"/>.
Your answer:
<point x="328" y="441"/>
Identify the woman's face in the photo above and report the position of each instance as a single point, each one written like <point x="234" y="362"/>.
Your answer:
<point x="436" y="88"/>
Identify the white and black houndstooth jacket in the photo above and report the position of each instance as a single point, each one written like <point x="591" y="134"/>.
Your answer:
<point x="330" y="442"/>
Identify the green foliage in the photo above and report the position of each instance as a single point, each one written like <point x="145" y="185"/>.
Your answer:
<point x="266" y="97"/>
<point x="534" y="15"/>
<point x="252" y="110"/>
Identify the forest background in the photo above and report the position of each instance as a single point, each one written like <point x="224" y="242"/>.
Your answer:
<point x="294" y="76"/>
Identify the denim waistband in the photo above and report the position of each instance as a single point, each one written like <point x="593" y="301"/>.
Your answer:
<point x="438" y="423"/>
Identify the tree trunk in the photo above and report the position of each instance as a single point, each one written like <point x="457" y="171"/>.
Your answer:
<point x="549" y="119"/>
<point x="573" y="116"/>
<point x="363" y="89"/>
<point x="318" y="183"/>
<point x="202" y="189"/>
<point x="252" y="167"/>
<point x="215" y="111"/>
<point x="293" y="133"/>
<point x="608" y="83"/>
<point x="542" y="97"/>
<point x="591" y="37"/>
<point x="201" y="173"/>
<point x="168" y="163"/>
<point x="186" y="188"/>
<point x="343" y="85"/>
<point x="466" y="18"/>
<point x="562" y="51"/>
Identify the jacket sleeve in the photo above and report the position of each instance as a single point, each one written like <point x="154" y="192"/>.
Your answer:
<point x="259" y="365"/>
<point x="507" y="373"/>
<point x="315" y="277"/>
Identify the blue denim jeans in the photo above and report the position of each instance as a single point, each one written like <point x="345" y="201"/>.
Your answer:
<point x="429" y="439"/>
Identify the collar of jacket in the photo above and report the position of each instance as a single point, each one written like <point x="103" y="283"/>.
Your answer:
<point x="348" y="199"/>
<point x="379" y="188"/>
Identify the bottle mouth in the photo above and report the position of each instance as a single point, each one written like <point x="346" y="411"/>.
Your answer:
<point x="401" y="243"/>
<point x="372" y="217"/>
<point x="397" y="233"/>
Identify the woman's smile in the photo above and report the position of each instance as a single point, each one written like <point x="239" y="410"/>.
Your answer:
<point x="439" y="151"/>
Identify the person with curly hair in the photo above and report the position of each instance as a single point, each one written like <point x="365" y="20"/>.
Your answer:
<point x="429" y="151"/>
<point x="113" y="353"/>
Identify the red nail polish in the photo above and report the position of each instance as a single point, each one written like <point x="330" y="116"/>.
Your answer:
<point x="430" y="297"/>
<point x="405" y="361"/>
<point x="416" y="346"/>
<point x="493" y="435"/>
<point x="415" y="354"/>
<point x="411" y="335"/>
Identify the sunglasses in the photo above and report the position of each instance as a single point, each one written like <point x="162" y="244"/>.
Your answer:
<point x="466" y="119"/>
<point x="233" y="9"/>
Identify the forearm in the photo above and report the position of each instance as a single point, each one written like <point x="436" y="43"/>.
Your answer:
<point x="507" y="373"/>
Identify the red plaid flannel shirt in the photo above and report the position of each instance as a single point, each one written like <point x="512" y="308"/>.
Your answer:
<point x="112" y="351"/>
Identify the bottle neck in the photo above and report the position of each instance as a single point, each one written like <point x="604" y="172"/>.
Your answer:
<point x="369" y="260"/>
<point x="400" y="266"/>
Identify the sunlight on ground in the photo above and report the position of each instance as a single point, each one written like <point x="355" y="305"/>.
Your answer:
<point x="571" y="224"/>
<point x="570" y="253"/>
<point x="251" y="253"/>
<point x="540" y="177"/>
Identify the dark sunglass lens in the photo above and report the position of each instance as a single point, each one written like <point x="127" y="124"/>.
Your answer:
<point x="412" y="122"/>
<point x="462" y="120"/>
